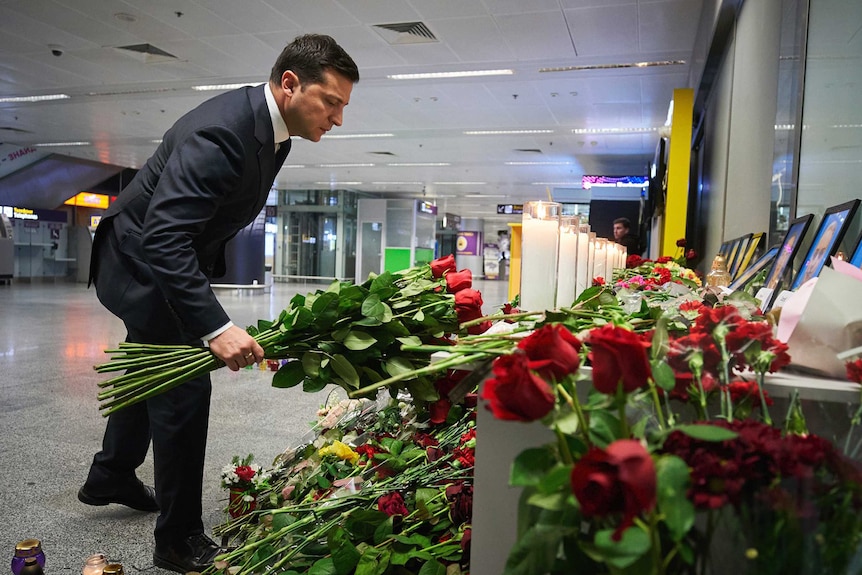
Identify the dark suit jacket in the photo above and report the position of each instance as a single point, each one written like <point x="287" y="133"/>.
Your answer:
<point x="164" y="237"/>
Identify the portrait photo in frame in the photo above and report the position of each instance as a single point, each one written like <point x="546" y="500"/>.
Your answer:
<point x="826" y="241"/>
<point x="748" y="256"/>
<point x="787" y="251"/>
<point x="856" y="258"/>
<point x="739" y="246"/>
<point x="762" y="263"/>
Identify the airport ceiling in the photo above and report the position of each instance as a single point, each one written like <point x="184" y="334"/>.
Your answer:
<point x="578" y="99"/>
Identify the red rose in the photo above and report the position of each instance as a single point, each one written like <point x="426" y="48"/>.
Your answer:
<point x="392" y="504"/>
<point x="556" y="344"/>
<point x="424" y="440"/>
<point x="439" y="410"/>
<point x="442" y="265"/>
<point x="854" y="370"/>
<point x="468" y="304"/>
<point x="621" y="479"/>
<point x="618" y="355"/>
<point x="516" y="393"/>
<point x="244" y="472"/>
<point x="680" y="243"/>
<point x="690" y="255"/>
<point x="664" y="260"/>
<point x="460" y="497"/>
<point x="457" y="281"/>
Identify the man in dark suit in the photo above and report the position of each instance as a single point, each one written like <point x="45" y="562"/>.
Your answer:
<point x="154" y="253"/>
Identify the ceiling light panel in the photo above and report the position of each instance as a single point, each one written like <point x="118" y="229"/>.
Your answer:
<point x="464" y="74"/>
<point x="45" y="98"/>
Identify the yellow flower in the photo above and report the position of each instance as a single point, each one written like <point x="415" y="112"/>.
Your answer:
<point x="341" y="451"/>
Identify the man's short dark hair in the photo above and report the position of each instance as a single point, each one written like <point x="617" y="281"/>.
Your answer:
<point x="626" y="223"/>
<point x="310" y="55"/>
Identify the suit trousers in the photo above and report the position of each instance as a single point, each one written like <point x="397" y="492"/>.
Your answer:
<point x="176" y="422"/>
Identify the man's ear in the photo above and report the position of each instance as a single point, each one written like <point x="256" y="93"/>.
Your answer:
<point x="289" y="82"/>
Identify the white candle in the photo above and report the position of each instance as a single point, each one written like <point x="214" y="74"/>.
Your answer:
<point x="540" y="245"/>
<point x="613" y="259"/>
<point x="601" y="259"/>
<point x="583" y="259"/>
<point x="591" y="259"/>
<point x="567" y="265"/>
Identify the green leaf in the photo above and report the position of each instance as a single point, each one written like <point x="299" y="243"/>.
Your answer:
<point x="660" y="342"/>
<point x="535" y="551"/>
<point x="672" y="479"/>
<point x="568" y="422"/>
<point x="706" y="432"/>
<point x="358" y="340"/>
<point x="373" y="561"/>
<point x="288" y="375"/>
<point x="345" y="370"/>
<point x="558" y="478"/>
<point x="398" y="366"/>
<point x="363" y="522"/>
<point x="368" y="322"/>
<point x="550" y="501"/>
<point x="423" y="390"/>
<point x="663" y="375"/>
<point x="633" y="544"/>
<point x="433" y="567"/>
<point x="410" y="340"/>
<point x="383" y="531"/>
<point x="325" y="566"/>
<point x="314" y="385"/>
<point x="530" y="466"/>
<point x="372" y="306"/>
<point x="419" y="316"/>
<point x="282" y="520"/>
<point x="381" y="282"/>
<point x="345" y="556"/>
<point x="605" y="428"/>
<point x="303" y="318"/>
<point x="311" y="363"/>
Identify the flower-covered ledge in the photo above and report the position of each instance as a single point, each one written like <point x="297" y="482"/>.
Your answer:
<point x="828" y="406"/>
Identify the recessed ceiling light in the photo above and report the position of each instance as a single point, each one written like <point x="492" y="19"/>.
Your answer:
<point x="209" y="87"/>
<point x="346" y="165"/>
<point x="287" y="166"/>
<point x="503" y="132"/>
<point x="338" y="183"/>
<point x="464" y="74"/>
<point x="14" y="99"/>
<point x="397" y="183"/>
<point x="59" y="144"/>
<point x="345" y="136"/>
<point x="613" y="130"/>
<point x="483" y="196"/>
<point x="614" y="66"/>
<point x="461" y="183"/>
<point x="419" y="164"/>
<point x="538" y="163"/>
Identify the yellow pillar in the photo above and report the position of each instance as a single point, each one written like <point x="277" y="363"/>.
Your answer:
<point x="514" y="260"/>
<point x="678" y="164"/>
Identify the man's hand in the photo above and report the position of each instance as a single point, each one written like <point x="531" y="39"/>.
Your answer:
<point x="236" y="348"/>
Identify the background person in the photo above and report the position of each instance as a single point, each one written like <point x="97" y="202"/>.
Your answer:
<point x="624" y="236"/>
<point x="154" y="253"/>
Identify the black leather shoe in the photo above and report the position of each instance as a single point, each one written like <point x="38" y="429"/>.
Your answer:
<point x="133" y="494"/>
<point x="194" y="553"/>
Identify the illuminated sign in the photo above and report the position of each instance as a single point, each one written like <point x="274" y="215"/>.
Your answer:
<point x="88" y="200"/>
<point x="588" y="182"/>
<point x="512" y="209"/>
<point x="94" y="221"/>
<point x="24" y="214"/>
<point x="426" y="208"/>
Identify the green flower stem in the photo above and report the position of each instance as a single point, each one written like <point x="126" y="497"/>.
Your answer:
<point x="702" y="395"/>
<point x="565" y="452"/>
<point x="496" y="317"/>
<point x="621" y="409"/>
<point x="763" y="407"/>
<point x="854" y="422"/>
<point x="427" y="370"/>
<point x="662" y="421"/>
<point x="156" y="365"/>
<point x="575" y="404"/>
<point x="139" y="361"/>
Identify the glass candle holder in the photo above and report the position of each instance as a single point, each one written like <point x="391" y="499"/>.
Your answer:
<point x="94" y="564"/>
<point x="23" y="550"/>
<point x="567" y="264"/>
<point x="540" y="247"/>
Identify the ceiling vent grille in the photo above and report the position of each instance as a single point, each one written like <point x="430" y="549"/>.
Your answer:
<point x="147" y="53"/>
<point x="406" y="33"/>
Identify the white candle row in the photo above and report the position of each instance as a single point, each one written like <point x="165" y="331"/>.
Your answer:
<point x="560" y="257"/>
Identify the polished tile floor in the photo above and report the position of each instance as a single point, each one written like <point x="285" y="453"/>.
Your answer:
<point x="50" y="337"/>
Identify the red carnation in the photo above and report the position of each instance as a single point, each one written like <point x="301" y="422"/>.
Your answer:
<point x="634" y="261"/>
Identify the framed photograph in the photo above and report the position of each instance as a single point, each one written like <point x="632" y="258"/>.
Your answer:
<point x="739" y="246"/>
<point x="748" y="255"/>
<point x="826" y="242"/>
<point x="856" y="258"/>
<point x="787" y="251"/>
<point x="762" y="263"/>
